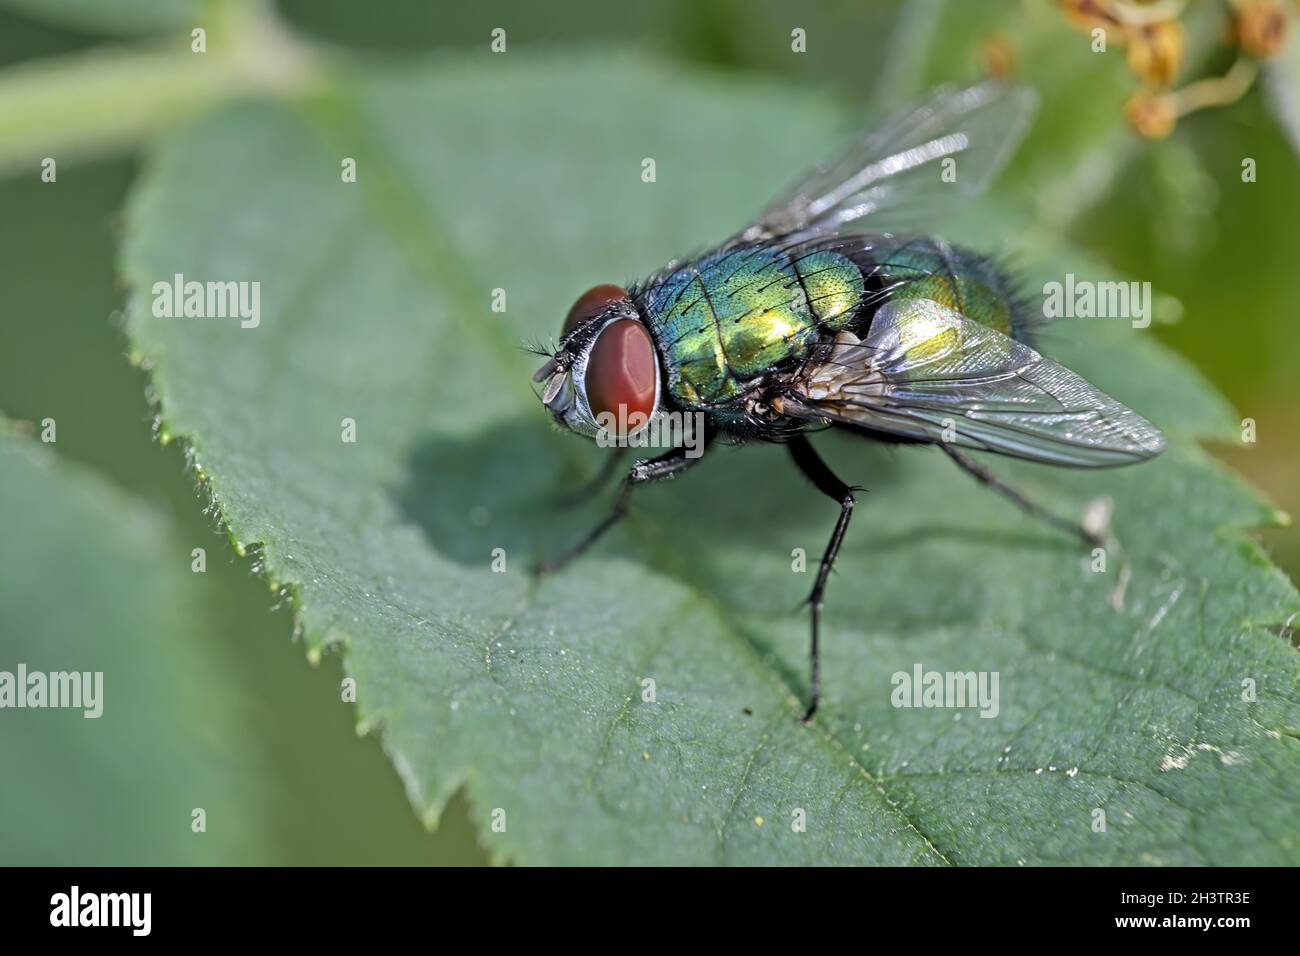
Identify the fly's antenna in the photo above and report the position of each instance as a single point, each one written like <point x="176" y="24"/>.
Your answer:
<point x="545" y="349"/>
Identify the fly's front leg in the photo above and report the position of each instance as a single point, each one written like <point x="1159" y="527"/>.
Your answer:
<point x="984" y="476"/>
<point x="817" y="471"/>
<point x="668" y="464"/>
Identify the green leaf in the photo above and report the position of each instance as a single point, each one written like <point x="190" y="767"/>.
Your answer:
<point x="106" y="99"/>
<point x="173" y="726"/>
<point x="524" y="173"/>
<point x="117" y="17"/>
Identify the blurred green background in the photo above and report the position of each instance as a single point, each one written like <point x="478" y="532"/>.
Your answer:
<point x="1227" y="255"/>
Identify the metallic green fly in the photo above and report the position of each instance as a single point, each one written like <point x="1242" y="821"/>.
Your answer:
<point x="836" y="308"/>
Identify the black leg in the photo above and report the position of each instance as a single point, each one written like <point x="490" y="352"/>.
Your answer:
<point x="608" y="469"/>
<point x="820" y="475"/>
<point x="984" y="476"/>
<point x="666" y="465"/>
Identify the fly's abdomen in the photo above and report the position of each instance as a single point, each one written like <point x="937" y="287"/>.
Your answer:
<point x="737" y="313"/>
<point x="930" y="268"/>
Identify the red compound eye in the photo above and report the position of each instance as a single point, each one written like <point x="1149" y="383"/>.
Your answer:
<point x="591" y="303"/>
<point x="622" y="372"/>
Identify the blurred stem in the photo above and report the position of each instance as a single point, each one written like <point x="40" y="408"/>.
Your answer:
<point x="905" y="55"/>
<point x="105" y="100"/>
<point x="1217" y="90"/>
<point x="1151" y="11"/>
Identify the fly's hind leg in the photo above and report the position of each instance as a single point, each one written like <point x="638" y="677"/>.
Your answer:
<point x="668" y="464"/>
<point x="817" y="471"/>
<point x="1092" y="532"/>
<point x="986" y="477"/>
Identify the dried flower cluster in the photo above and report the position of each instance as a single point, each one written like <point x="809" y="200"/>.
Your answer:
<point x="1156" y="41"/>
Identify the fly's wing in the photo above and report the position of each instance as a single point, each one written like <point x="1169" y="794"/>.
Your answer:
<point x="892" y="175"/>
<point x="927" y="372"/>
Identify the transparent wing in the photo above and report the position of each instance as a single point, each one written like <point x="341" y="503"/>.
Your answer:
<point x="893" y="176"/>
<point x="929" y="373"/>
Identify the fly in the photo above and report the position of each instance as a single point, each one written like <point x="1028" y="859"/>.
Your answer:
<point x="836" y="308"/>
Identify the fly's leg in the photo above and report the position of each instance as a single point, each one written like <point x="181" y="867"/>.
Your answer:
<point x="817" y="471"/>
<point x="608" y="469"/>
<point x="670" y="463"/>
<point x="986" y="477"/>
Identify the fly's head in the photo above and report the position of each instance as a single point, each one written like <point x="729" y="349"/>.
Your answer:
<point x="605" y="375"/>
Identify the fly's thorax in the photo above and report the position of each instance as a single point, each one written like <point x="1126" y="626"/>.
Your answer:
<point x="930" y="268"/>
<point x="737" y="313"/>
